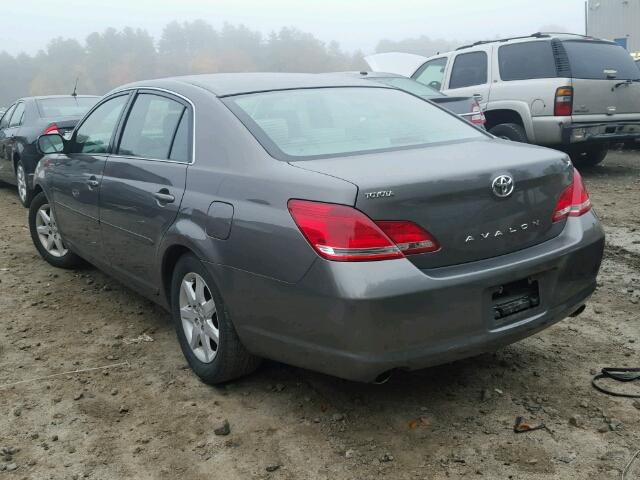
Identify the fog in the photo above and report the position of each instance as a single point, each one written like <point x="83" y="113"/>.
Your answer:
<point x="45" y="46"/>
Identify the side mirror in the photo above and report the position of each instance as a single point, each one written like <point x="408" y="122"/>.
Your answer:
<point x="52" y="143"/>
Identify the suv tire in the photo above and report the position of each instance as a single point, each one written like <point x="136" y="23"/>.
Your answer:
<point x="510" y="131"/>
<point x="589" y="156"/>
<point x="55" y="253"/>
<point x="200" y="316"/>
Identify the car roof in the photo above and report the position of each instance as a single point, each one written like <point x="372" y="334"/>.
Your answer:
<point x="46" y="97"/>
<point x="538" y="36"/>
<point x="227" y="84"/>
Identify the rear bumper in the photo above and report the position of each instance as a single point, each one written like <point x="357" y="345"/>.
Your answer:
<point x="606" y="132"/>
<point x="358" y="320"/>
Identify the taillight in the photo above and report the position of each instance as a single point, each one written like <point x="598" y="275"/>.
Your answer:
<point x="478" y="117"/>
<point x="574" y="200"/>
<point x="564" y="102"/>
<point x="52" y="128"/>
<point x="342" y="233"/>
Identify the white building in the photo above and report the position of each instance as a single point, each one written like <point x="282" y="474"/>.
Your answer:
<point x="617" y="20"/>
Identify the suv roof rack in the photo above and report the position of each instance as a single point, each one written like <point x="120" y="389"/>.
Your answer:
<point x="533" y="35"/>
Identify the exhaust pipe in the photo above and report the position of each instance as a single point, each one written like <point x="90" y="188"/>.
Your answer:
<point x="383" y="377"/>
<point x="578" y="311"/>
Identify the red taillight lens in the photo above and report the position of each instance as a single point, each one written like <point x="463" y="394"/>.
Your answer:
<point x="409" y="237"/>
<point x="478" y="117"/>
<point x="53" y="128"/>
<point x="342" y="233"/>
<point x="564" y="102"/>
<point x="574" y="200"/>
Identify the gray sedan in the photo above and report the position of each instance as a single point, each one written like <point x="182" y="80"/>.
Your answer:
<point x="328" y="222"/>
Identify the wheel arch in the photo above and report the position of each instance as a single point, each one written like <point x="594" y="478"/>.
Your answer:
<point x="510" y="112"/>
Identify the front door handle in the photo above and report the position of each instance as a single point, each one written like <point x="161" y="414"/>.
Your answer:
<point x="478" y="97"/>
<point x="93" y="182"/>
<point x="163" y="196"/>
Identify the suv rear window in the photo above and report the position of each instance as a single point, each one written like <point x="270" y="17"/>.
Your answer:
<point x="591" y="60"/>
<point x="524" y="61"/>
<point x="336" y="121"/>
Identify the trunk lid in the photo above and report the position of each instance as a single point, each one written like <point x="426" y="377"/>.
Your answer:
<point x="605" y="80"/>
<point x="447" y="189"/>
<point x="459" y="105"/>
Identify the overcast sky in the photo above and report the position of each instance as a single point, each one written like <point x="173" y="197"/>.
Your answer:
<point x="357" y="24"/>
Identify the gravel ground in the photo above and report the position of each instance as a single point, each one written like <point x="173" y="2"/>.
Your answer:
<point x="152" y="419"/>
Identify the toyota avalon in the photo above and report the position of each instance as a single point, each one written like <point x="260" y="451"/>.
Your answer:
<point x="328" y="222"/>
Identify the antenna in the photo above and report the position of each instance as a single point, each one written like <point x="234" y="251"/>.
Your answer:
<point x="75" y="88"/>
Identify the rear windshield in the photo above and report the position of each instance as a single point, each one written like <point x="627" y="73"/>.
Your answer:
<point x="594" y="60"/>
<point x="322" y="122"/>
<point x="410" y="86"/>
<point x="65" y="107"/>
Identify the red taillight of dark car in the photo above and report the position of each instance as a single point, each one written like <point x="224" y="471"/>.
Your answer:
<point x="52" y="128"/>
<point x="345" y="234"/>
<point x="574" y="200"/>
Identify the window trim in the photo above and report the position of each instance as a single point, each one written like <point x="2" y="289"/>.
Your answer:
<point x="190" y="109"/>
<point x="453" y="66"/>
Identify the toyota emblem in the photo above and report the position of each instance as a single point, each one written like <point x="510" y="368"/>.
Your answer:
<point x="502" y="186"/>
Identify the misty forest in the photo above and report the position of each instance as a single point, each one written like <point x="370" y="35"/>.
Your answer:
<point x="115" y="57"/>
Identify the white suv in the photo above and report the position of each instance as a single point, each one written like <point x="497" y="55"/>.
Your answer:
<point x="574" y="93"/>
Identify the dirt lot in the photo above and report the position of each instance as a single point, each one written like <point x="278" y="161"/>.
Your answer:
<point x="152" y="419"/>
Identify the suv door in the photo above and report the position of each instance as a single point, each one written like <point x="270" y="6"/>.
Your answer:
<point x="143" y="184"/>
<point x="469" y="75"/>
<point x="76" y="177"/>
<point x="6" y="163"/>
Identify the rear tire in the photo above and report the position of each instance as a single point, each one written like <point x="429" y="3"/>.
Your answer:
<point x="589" y="156"/>
<point x="25" y="193"/>
<point x="45" y="235"/>
<point x="207" y="337"/>
<point x="510" y="131"/>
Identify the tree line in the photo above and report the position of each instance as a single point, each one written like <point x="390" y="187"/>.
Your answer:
<point x="115" y="57"/>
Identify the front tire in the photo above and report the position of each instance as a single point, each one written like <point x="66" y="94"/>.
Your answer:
<point x="46" y="237"/>
<point x="25" y="193"/>
<point x="589" y="156"/>
<point x="207" y="338"/>
<point x="510" y="131"/>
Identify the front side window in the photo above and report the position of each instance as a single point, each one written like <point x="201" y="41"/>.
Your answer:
<point x="95" y="133"/>
<point x="321" y="122"/>
<point x="527" y="60"/>
<point x="432" y="73"/>
<point x="18" y="114"/>
<point x="151" y="127"/>
<point x="469" y="69"/>
<point x="4" y="123"/>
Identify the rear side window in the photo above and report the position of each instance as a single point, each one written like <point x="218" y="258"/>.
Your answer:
<point x="151" y="127"/>
<point x="18" y="114"/>
<point x="95" y="133"/>
<point x="469" y="69"/>
<point x="4" y="123"/>
<point x="432" y="73"/>
<point x="524" y="61"/>
<point x="180" y="147"/>
<point x="600" y="60"/>
<point x="324" y="122"/>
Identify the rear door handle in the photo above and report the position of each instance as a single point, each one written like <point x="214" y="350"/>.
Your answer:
<point x="93" y="181"/>
<point x="163" y="196"/>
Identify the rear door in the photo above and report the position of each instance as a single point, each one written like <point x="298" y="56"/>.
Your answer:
<point x="469" y="75"/>
<point x="6" y="164"/>
<point x="143" y="183"/>
<point x="77" y="176"/>
<point x="606" y="83"/>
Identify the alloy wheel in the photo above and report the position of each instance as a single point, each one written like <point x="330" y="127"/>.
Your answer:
<point x="199" y="317"/>
<point x="48" y="233"/>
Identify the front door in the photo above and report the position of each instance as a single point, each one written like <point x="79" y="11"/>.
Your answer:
<point x="77" y="177"/>
<point x="143" y="185"/>
<point x="469" y="75"/>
